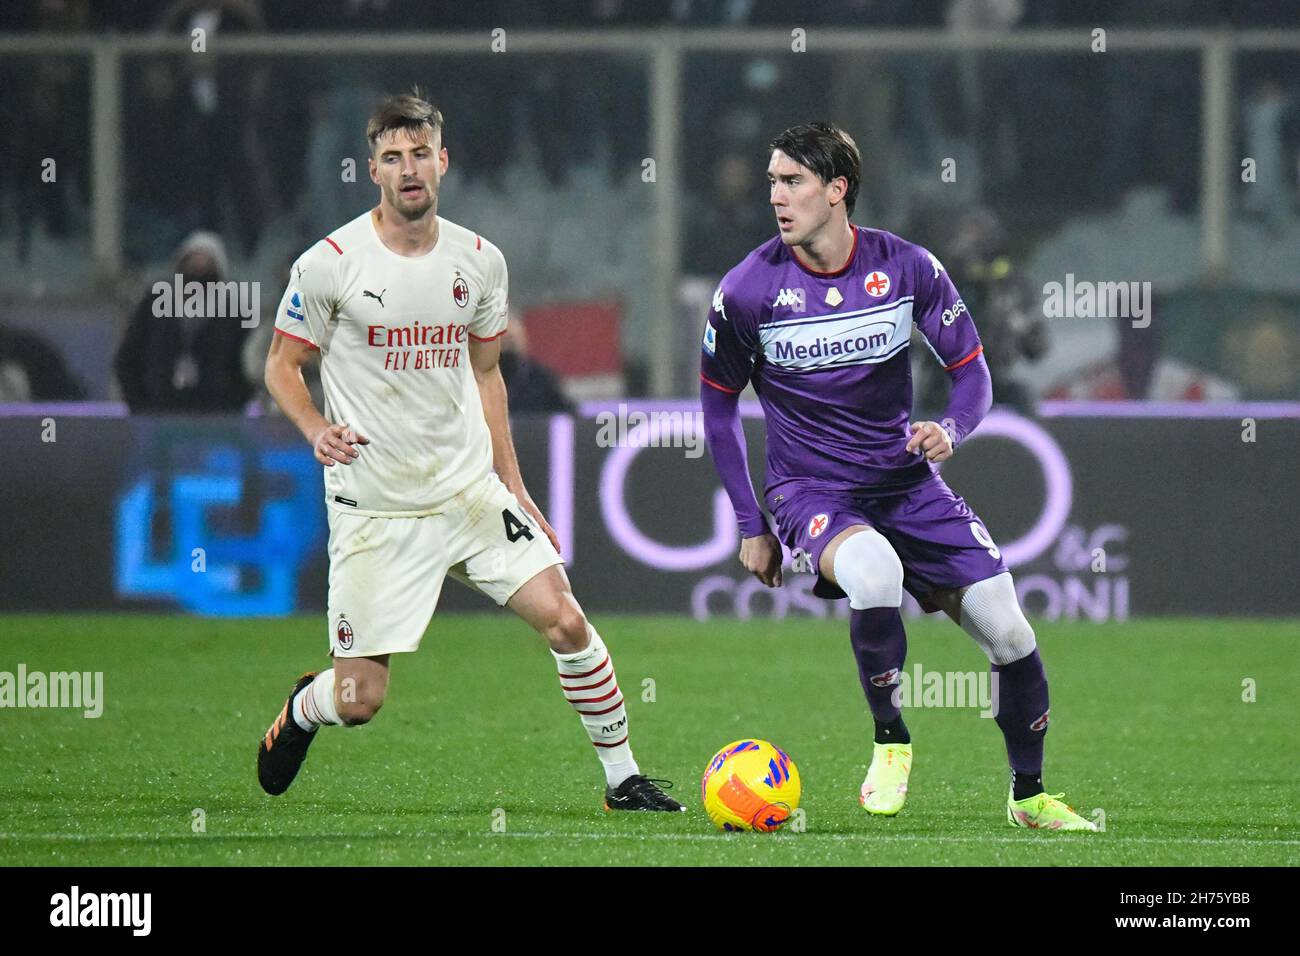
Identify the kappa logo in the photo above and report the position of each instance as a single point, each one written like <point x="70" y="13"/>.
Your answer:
<point x="817" y="524"/>
<point x="1041" y="722"/>
<point x="366" y="293"/>
<point x="460" y="292"/>
<point x="793" y="298"/>
<point x="887" y="679"/>
<point x="344" y="633"/>
<point x="717" y="304"/>
<point x="950" y="315"/>
<point x="938" y="266"/>
<point x="877" y="285"/>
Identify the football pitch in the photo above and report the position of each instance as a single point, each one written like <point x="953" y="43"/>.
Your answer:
<point x="476" y="758"/>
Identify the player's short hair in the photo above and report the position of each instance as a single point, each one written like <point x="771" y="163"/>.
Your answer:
<point x="405" y="111"/>
<point x="828" y="151"/>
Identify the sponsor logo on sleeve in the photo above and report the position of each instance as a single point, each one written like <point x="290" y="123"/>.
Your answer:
<point x="294" y="309"/>
<point x="950" y="315"/>
<point x="710" y="338"/>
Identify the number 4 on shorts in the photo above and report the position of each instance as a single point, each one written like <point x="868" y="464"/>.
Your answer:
<point x="515" y="529"/>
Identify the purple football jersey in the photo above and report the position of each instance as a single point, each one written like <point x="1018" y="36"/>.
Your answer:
<point x="827" y="354"/>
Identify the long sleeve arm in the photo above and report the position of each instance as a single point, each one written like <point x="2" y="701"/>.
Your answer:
<point x="970" y="399"/>
<point x="726" y="441"/>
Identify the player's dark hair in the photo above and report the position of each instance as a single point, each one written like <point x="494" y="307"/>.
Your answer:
<point x="828" y="151"/>
<point x="405" y="111"/>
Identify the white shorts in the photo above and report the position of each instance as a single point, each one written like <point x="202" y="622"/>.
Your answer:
<point x="386" y="573"/>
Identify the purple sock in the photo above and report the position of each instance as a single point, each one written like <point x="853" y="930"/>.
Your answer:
<point x="880" y="645"/>
<point x="1022" y="711"/>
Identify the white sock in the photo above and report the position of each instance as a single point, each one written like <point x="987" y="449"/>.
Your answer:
<point x="590" y="686"/>
<point x="314" y="704"/>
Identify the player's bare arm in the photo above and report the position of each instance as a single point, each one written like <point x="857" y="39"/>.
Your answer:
<point x="485" y="358"/>
<point x="330" y="442"/>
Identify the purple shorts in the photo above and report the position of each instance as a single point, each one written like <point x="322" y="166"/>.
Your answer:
<point x="940" y="541"/>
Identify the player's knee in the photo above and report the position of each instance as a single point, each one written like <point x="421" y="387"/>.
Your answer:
<point x="1019" y="640"/>
<point x="567" y="632"/>
<point x="868" y="570"/>
<point x="357" y="712"/>
<point x="991" y="614"/>
<point x="358" y="703"/>
<point x="1009" y="640"/>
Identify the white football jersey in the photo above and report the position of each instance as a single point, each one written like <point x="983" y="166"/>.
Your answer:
<point x="393" y="333"/>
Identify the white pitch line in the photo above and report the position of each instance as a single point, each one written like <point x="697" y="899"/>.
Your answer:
<point x="736" y="838"/>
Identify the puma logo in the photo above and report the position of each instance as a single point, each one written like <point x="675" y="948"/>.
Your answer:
<point x="378" y="298"/>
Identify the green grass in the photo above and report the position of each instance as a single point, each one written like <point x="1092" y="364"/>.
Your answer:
<point x="1147" y="723"/>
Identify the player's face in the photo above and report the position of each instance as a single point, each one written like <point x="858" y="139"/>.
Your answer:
<point x="802" y="202"/>
<point x="407" y="169"/>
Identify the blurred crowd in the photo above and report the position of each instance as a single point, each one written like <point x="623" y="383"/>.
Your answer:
<point x="351" y="15"/>
<point x="241" y="148"/>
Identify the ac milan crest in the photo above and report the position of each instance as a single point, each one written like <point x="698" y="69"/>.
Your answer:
<point x="460" y="292"/>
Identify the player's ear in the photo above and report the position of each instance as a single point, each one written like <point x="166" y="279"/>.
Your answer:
<point x="442" y="162"/>
<point x="839" y="186"/>
<point x="374" y="170"/>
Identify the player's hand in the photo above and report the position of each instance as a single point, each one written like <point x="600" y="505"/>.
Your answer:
<point x="761" y="556"/>
<point x="930" y="439"/>
<point x="336" y="443"/>
<point x="526" y="502"/>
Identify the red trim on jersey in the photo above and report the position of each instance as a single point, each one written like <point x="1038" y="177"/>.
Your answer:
<point x="841" y="270"/>
<point x="478" y="242"/>
<point x="490" y="338"/>
<point x="721" y="388"/>
<point x="614" y="744"/>
<point x="334" y="244"/>
<point x="586" y="673"/>
<point x="296" y="338"/>
<point x="956" y="365"/>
